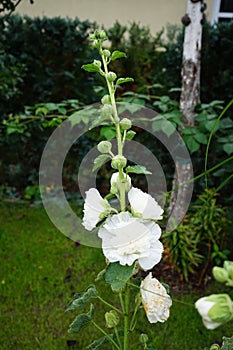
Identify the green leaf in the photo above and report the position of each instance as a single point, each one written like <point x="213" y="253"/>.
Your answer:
<point x="81" y="321"/>
<point x="117" y="54"/>
<point x="81" y="299"/>
<point x="91" y="67"/>
<point x="84" y="115"/>
<point x="192" y="145"/>
<point x="127" y="106"/>
<point x="130" y="134"/>
<point x="201" y="138"/>
<point x="137" y="169"/>
<point x="99" y="342"/>
<point x="228" y="148"/>
<point x="118" y="275"/>
<point x="226" y="123"/>
<point x="124" y="80"/>
<point x="108" y="132"/>
<point x="168" y="128"/>
<point x="99" y="161"/>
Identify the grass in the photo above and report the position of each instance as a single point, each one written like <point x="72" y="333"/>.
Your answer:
<point x="40" y="271"/>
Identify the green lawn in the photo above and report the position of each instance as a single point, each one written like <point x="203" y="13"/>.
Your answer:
<point x="41" y="269"/>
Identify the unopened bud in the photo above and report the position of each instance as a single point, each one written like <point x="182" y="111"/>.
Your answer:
<point x="112" y="319"/>
<point x="104" y="147"/>
<point x="97" y="63"/>
<point x="106" y="110"/>
<point x="228" y="266"/>
<point x="125" y="124"/>
<point x="105" y="99"/>
<point x="220" y="274"/>
<point x="118" y="162"/>
<point x="116" y="183"/>
<point x="143" y="338"/>
<point x="111" y="76"/>
<point x="106" y="53"/>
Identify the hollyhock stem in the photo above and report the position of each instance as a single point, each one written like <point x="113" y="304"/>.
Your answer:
<point x="120" y="141"/>
<point x="126" y="317"/>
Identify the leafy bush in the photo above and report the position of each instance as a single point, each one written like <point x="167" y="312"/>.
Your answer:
<point x="50" y="52"/>
<point x="201" y="239"/>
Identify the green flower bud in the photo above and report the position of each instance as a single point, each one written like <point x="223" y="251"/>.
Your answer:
<point x="106" y="110"/>
<point x="222" y="309"/>
<point x="111" y="76"/>
<point x="106" y="53"/>
<point x="118" y="162"/>
<point x="100" y="34"/>
<point x="220" y="274"/>
<point x="112" y="319"/>
<point x="125" y="124"/>
<point x="215" y="347"/>
<point x="105" y="99"/>
<point x="104" y="147"/>
<point x="116" y="183"/>
<point x="143" y="338"/>
<point x="97" y="63"/>
<point x="228" y="266"/>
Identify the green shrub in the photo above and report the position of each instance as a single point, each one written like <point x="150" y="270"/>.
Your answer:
<point x="201" y="240"/>
<point x="51" y="52"/>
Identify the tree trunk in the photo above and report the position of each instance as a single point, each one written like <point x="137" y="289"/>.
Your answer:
<point x="190" y="97"/>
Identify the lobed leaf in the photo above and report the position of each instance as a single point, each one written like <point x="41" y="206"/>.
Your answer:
<point x="81" y="299"/>
<point x="81" y="321"/>
<point x="118" y="275"/>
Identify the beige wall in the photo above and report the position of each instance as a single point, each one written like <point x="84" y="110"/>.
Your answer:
<point x="153" y="13"/>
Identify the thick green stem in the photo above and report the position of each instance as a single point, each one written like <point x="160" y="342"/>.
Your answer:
<point x="120" y="141"/>
<point x="126" y="318"/>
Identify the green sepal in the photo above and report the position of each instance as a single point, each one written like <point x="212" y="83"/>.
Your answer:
<point x="118" y="275"/>
<point x="91" y="67"/>
<point x="124" y="80"/>
<point x="137" y="169"/>
<point x="81" y="321"/>
<point x="130" y="135"/>
<point x="81" y="299"/>
<point x="99" y="161"/>
<point x="117" y="54"/>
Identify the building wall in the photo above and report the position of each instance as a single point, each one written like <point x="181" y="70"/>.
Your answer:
<point x="153" y="13"/>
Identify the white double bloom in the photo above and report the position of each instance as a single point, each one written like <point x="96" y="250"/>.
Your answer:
<point x="126" y="238"/>
<point x="155" y="300"/>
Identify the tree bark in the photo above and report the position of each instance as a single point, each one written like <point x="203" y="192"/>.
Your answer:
<point x="190" y="97"/>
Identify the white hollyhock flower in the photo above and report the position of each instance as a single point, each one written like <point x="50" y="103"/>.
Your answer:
<point x="155" y="299"/>
<point x="215" y="310"/>
<point x="94" y="208"/>
<point x="126" y="239"/>
<point x="142" y="203"/>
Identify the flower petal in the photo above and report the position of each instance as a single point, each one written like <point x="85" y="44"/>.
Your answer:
<point x="144" y="204"/>
<point x="94" y="206"/>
